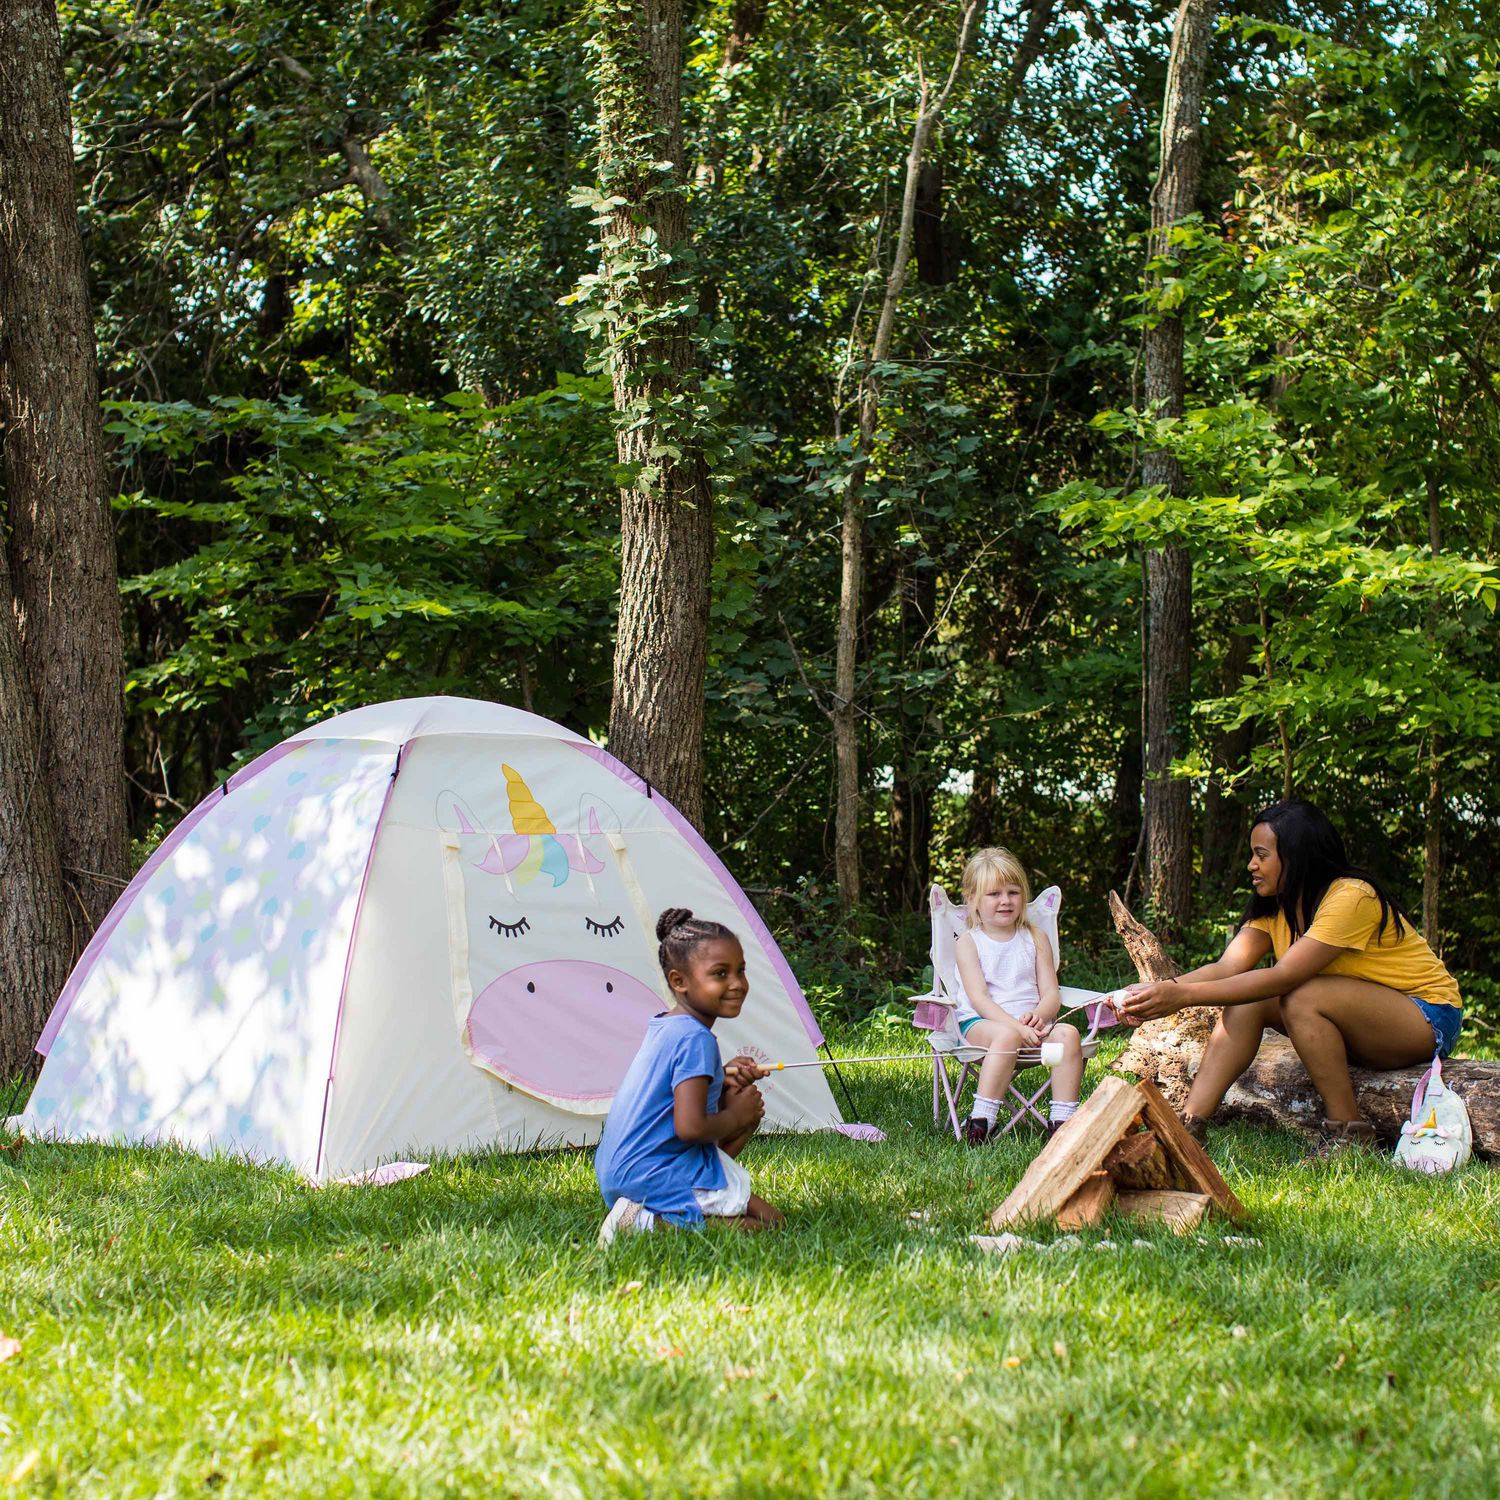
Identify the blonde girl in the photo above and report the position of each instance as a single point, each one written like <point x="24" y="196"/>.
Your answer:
<point x="1007" y="991"/>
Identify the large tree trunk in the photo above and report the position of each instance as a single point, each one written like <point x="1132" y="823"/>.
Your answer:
<point x="1275" y="1089"/>
<point x="1168" y="803"/>
<point x="666" y="515"/>
<point x="852" y="523"/>
<point x="64" y="588"/>
<point x="36" y="935"/>
<point x="1223" y="813"/>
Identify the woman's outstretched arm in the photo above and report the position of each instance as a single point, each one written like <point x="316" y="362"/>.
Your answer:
<point x="1236" y="980"/>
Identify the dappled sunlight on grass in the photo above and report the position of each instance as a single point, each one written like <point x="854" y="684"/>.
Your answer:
<point x="189" y="1324"/>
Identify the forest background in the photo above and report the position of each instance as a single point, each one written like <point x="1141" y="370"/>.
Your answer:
<point x="395" y="323"/>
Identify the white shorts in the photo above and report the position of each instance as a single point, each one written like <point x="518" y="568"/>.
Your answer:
<point x="727" y="1202"/>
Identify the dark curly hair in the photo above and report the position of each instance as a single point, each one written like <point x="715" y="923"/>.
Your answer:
<point x="678" y="932"/>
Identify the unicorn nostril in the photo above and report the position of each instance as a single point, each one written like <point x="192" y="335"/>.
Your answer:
<point x="530" y="987"/>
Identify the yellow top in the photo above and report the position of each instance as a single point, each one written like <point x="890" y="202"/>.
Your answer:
<point x="1347" y="918"/>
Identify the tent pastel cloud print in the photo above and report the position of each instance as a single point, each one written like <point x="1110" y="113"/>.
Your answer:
<point x="425" y="925"/>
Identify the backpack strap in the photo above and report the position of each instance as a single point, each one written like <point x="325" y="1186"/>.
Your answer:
<point x="1434" y="1074"/>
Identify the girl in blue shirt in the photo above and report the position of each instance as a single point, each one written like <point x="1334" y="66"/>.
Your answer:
<point x="681" y="1117"/>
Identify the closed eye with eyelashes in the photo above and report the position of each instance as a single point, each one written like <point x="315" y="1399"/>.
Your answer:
<point x="509" y="929"/>
<point x="604" y="929"/>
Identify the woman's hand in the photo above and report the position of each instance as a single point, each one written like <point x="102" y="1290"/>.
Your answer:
<point x="1147" y="1002"/>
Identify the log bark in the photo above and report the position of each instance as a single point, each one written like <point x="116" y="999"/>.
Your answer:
<point x="1166" y="1050"/>
<point x="1169" y="574"/>
<point x="1139" y="1162"/>
<point x="1275" y="1089"/>
<point x="666" y="513"/>
<point x="63" y="594"/>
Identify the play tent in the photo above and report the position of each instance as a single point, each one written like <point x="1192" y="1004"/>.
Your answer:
<point x="425" y="925"/>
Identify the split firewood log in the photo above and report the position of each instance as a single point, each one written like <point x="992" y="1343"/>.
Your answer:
<point x="1275" y="1088"/>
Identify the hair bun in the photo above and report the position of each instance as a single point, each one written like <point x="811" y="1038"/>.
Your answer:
<point x="673" y="916"/>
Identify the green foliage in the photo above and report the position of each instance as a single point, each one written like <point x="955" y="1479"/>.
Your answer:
<point x="308" y="228"/>
<point x="381" y="547"/>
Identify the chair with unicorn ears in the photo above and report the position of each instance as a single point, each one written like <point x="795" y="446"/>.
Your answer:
<point x="955" y="1063"/>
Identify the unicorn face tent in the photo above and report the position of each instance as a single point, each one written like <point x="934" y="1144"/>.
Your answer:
<point x="425" y="925"/>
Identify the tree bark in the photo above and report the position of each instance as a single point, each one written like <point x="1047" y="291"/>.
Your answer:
<point x="36" y="932"/>
<point x="1432" y="852"/>
<point x="666" y="514"/>
<point x="63" y="585"/>
<point x="1168" y="801"/>
<point x="852" y="524"/>
<point x="914" y="782"/>
<point x="1223" y="814"/>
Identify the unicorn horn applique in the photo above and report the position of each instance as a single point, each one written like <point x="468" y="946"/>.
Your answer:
<point x="536" y="847"/>
<point x="527" y="815"/>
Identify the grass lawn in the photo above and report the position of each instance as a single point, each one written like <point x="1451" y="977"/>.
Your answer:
<point x="197" y="1328"/>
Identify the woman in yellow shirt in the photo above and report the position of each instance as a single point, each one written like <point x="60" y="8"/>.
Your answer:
<point x="1352" y="980"/>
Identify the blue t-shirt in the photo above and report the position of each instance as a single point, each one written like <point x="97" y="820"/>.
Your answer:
<point x="639" y="1155"/>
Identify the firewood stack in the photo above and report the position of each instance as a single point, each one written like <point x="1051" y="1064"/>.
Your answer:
<point x="1125" y="1149"/>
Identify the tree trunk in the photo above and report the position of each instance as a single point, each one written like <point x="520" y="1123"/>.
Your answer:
<point x="666" y="516"/>
<point x="63" y="582"/>
<point x="1223" y="814"/>
<point x="914" y="782"/>
<point x="36" y="933"/>
<point x="852" y="524"/>
<point x="1168" y="802"/>
<point x="1125" y="808"/>
<point x="1432" y="853"/>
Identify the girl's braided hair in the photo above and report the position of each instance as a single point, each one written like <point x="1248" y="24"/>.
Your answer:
<point x="679" y="932"/>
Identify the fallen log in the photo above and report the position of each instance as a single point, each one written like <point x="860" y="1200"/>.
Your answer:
<point x="1275" y="1089"/>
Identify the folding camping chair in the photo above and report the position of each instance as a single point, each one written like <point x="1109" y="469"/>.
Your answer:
<point x="955" y="1061"/>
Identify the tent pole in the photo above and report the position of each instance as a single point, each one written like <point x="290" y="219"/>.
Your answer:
<point x="15" y="1094"/>
<point x="848" y="1097"/>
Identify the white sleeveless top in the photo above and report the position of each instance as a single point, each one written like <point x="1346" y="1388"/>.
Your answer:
<point x="1009" y="970"/>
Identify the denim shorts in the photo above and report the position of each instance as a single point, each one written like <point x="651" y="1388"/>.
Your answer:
<point x="1444" y="1020"/>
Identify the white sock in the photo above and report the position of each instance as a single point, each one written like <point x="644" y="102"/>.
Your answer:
<point x="986" y="1109"/>
<point x="1060" y="1111"/>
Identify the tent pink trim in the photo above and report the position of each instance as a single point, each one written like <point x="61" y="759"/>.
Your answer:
<point x="695" y="839"/>
<point x="118" y="912"/>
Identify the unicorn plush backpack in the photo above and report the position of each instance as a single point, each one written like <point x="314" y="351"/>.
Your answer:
<point x="1437" y="1138"/>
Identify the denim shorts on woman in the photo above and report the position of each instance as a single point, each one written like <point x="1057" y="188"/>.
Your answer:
<point x="1444" y="1020"/>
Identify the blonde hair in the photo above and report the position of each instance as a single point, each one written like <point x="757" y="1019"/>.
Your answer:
<point x="986" y="871"/>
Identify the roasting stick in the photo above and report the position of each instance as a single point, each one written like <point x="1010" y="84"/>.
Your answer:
<point x="1052" y="1054"/>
